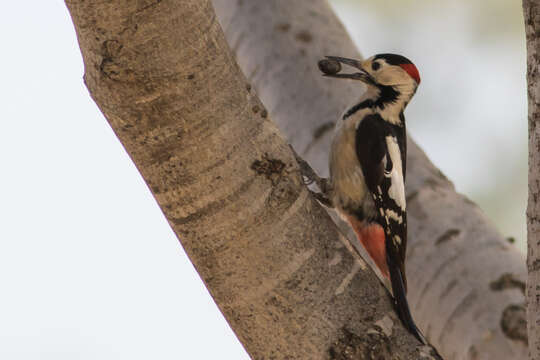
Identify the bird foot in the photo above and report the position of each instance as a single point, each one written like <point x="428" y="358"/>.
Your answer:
<point x="310" y="176"/>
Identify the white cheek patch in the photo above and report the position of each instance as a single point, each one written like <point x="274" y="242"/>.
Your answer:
<point x="397" y="187"/>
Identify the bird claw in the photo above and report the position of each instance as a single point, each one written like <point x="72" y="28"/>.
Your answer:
<point x="323" y="199"/>
<point x="309" y="177"/>
<point x="307" y="181"/>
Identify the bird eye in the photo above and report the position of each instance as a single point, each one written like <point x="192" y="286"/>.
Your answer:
<point x="375" y="66"/>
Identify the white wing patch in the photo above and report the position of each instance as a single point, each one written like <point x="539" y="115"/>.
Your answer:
<point x="394" y="215"/>
<point x="397" y="187"/>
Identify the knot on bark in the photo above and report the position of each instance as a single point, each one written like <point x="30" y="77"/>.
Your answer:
<point x="448" y="235"/>
<point x="514" y="323"/>
<point x="373" y="345"/>
<point x="507" y="281"/>
<point x="110" y="66"/>
<point x="271" y="168"/>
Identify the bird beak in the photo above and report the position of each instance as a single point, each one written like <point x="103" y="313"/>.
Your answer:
<point x="362" y="75"/>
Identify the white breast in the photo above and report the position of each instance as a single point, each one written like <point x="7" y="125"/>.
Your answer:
<point x="349" y="187"/>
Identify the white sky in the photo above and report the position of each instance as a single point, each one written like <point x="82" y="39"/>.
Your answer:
<point x="89" y="268"/>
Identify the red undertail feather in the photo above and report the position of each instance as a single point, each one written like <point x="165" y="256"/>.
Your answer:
<point x="371" y="236"/>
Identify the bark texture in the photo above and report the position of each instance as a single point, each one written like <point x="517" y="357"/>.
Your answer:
<point x="287" y="282"/>
<point x="465" y="281"/>
<point x="531" y="10"/>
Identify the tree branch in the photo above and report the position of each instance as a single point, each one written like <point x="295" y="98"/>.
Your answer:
<point x="286" y="281"/>
<point x="455" y="255"/>
<point x="531" y="11"/>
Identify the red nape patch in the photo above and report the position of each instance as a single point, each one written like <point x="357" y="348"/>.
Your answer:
<point x="412" y="71"/>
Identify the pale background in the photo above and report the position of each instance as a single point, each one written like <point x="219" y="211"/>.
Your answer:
<point x="89" y="268"/>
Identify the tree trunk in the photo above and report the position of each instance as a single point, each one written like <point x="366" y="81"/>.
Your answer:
<point x="531" y="10"/>
<point x="465" y="281"/>
<point x="288" y="284"/>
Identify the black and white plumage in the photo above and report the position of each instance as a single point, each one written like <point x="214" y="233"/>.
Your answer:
<point x="368" y="166"/>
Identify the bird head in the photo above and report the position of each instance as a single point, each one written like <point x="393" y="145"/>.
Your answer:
<point x="391" y="80"/>
<point x="380" y="70"/>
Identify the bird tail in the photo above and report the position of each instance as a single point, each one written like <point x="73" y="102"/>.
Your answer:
<point x="400" y="299"/>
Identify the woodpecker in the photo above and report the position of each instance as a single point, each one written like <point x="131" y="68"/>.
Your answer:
<point x="368" y="162"/>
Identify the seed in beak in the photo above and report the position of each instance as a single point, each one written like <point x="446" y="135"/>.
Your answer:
<point x="329" y="66"/>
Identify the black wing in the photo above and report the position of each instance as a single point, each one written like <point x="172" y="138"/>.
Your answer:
<point x="382" y="155"/>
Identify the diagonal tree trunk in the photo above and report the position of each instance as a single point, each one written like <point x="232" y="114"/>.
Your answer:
<point x="465" y="282"/>
<point x="287" y="282"/>
<point x="531" y="10"/>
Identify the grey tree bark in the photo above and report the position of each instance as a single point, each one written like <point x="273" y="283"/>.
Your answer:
<point x="531" y="11"/>
<point x="466" y="283"/>
<point x="289" y="285"/>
